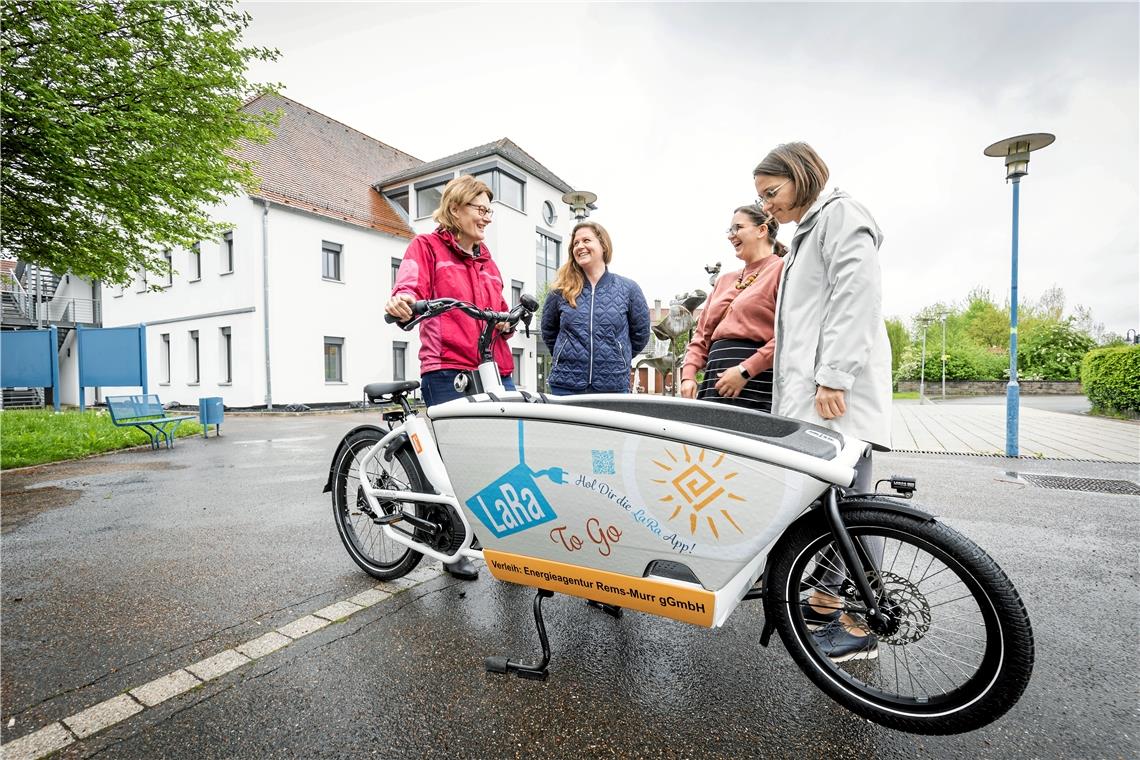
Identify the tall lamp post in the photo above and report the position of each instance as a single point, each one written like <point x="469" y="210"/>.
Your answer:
<point x="943" y="315"/>
<point x="925" y="322"/>
<point x="1016" y="152"/>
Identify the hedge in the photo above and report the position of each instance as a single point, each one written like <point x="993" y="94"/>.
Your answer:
<point x="1111" y="378"/>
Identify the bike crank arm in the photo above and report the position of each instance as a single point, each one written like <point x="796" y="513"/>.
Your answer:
<point x="856" y="561"/>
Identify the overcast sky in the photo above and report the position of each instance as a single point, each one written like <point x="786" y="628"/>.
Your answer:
<point x="664" y="109"/>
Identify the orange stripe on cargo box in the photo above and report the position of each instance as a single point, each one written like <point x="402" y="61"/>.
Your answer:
<point x="684" y="603"/>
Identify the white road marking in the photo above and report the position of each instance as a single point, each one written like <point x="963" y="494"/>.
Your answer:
<point x="95" y="719"/>
<point x="338" y="611"/>
<point x="218" y="665"/>
<point x="303" y="626"/>
<point x="48" y="739"/>
<point x="161" y="689"/>
<point x="264" y="645"/>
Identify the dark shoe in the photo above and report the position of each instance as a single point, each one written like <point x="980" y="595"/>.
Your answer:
<point x="462" y="569"/>
<point x="840" y="645"/>
<point x="816" y="619"/>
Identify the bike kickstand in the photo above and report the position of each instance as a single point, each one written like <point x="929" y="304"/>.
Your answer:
<point x="535" y="671"/>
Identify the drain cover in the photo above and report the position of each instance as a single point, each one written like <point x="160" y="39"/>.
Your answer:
<point x="1091" y="485"/>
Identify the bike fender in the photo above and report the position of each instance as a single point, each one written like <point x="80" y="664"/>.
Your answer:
<point x="340" y="448"/>
<point x="885" y="502"/>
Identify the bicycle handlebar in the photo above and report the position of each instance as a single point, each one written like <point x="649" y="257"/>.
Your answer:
<point x="425" y="309"/>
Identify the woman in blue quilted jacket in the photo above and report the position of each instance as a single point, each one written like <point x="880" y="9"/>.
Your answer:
<point x="593" y="321"/>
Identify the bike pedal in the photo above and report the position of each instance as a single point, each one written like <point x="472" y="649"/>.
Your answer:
<point x="388" y="519"/>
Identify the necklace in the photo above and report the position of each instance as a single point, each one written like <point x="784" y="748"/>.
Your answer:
<point x="742" y="283"/>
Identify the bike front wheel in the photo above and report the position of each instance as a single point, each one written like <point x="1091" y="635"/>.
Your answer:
<point x="357" y="522"/>
<point x="958" y="652"/>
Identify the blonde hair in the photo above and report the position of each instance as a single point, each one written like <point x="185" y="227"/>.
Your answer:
<point x="457" y="193"/>
<point x="801" y="164"/>
<point x="571" y="279"/>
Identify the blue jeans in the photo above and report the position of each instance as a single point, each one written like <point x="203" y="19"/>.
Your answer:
<point x="558" y="390"/>
<point x="439" y="386"/>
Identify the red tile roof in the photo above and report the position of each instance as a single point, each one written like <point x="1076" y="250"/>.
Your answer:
<point x="320" y="165"/>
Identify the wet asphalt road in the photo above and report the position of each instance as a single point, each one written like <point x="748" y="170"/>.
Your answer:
<point x="122" y="568"/>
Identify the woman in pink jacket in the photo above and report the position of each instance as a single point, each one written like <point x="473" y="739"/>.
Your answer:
<point x="453" y="262"/>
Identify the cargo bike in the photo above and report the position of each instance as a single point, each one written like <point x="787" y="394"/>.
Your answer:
<point x="684" y="509"/>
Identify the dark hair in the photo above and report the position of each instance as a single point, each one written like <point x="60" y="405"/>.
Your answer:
<point x="762" y="218"/>
<point x="801" y="164"/>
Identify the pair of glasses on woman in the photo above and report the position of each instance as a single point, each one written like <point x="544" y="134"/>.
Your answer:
<point x="482" y="211"/>
<point x="770" y="193"/>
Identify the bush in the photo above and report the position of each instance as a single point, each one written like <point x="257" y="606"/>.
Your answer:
<point x="964" y="361"/>
<point x="1110" y="378"/>
<point x="1053" y="351"/>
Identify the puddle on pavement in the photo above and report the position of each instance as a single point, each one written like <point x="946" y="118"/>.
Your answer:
<point x="31" y="492"/>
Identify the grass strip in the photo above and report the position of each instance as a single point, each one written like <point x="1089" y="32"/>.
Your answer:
<point x="37" y="436"/>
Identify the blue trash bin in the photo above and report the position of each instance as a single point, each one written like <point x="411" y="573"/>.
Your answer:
<point x="210" y="412"/>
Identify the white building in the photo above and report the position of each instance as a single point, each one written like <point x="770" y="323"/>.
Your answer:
<point x="288" y="307"/>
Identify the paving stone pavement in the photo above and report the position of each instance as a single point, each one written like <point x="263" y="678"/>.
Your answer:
<point x="980" y="429"/>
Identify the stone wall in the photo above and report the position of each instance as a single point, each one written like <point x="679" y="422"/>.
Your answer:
<point x="994" y="388"/>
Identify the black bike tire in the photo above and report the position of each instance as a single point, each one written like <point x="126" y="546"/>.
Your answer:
<point x="357" y="443"/>
<point x="1002" y="683"/>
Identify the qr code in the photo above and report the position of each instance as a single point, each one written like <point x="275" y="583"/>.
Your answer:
<point x="603" y="462"/>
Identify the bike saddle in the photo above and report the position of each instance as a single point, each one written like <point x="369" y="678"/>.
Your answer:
<point x="376" y="391"/>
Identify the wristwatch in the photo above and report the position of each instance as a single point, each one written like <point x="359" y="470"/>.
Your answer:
<point x="743" y="372"/>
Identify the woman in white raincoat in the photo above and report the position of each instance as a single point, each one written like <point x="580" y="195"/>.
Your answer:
<point x="833" y="361"/>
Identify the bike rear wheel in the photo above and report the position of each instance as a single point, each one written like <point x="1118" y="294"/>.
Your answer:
<point x="959" y="653"/>
<point x="363" y="537"/>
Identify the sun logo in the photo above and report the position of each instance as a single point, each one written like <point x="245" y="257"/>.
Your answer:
<point x="696" y="486"/>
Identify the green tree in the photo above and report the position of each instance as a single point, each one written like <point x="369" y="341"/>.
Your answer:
<point x="900" y="339"/>
<point x="118" y="116"/>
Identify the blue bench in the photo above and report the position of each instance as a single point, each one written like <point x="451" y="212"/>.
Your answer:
<point x="146" y="413"/>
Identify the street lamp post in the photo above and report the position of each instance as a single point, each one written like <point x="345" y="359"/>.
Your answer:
<point x="924" y="321"/>
<point x="1016" y="152"/>
<point x="943" y="315"/>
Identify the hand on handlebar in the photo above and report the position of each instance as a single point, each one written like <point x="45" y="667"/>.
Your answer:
<point x="400" y="307"/>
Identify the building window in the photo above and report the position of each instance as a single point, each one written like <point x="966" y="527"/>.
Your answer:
<point x="396" y="270"/>
<point x="168" y="257"/>
<point x="549" y="215"/>
<point x="334" y="360"/>
<point x="193" y="356"/>
<point x="226" y="354"/>
<point x="164" y="358"/>
<point x="400" y="198"/>
<point x="506" y="188"/>
<point x="548" y="254"/>
<point x="228" y="253"/>
<point x="196" y="262"/>
<point x="517" y="373"/>
<point x="511" y="191"/>
<point x="399" y="360"/>
<point x="142" y="281"/>
<point x="427" y="197"/>
<point x="330" y="260"/>
<point x="516" y="293"/>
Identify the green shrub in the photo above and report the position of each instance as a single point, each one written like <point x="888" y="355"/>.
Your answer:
<point x="1053" y="351"/>
<point x="1110" y="378"/>
<point x="964" y="361"/>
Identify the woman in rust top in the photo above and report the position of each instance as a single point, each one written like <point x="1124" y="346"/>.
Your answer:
<point x="734" y="340"/>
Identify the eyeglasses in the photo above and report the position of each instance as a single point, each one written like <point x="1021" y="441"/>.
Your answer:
<point x="482" y="211"/>
<point x="737" y="228"/>
<point x="770" y="193"/>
